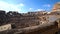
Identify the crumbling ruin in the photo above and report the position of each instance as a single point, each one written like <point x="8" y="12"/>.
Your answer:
<point x="30" y="24"/>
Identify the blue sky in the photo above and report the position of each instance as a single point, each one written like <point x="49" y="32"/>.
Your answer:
<point x="24" y="6"/>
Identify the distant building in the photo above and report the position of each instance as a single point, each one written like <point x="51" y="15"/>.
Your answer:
<point x="56" y="7"/>
<point x="37" y="13"/>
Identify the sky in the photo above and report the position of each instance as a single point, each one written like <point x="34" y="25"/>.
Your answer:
<point x="23" y="6"/>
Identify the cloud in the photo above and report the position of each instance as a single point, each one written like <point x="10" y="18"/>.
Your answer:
<point x="46" y="5"/>
<point x="30" y="8"/>
<point x="39" y="10"/>
<point x="21" y="4"/>
<point x="10" y="7"/>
